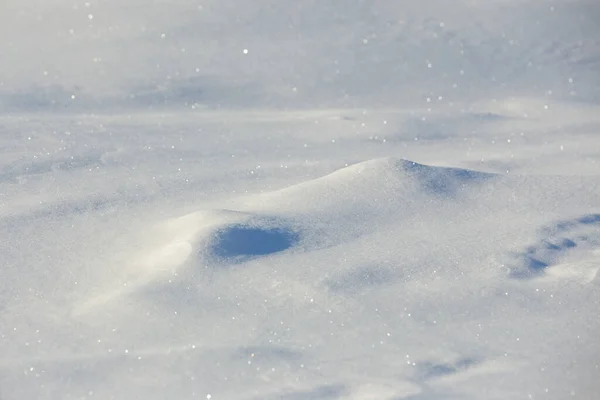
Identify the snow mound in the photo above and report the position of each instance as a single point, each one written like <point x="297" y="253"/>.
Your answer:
<point x="379" y="184"/>
<point x="400" y="173"/>
<point x="347" y="204"/>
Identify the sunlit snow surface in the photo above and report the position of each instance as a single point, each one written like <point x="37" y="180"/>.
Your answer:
<point x="300" y="200"/>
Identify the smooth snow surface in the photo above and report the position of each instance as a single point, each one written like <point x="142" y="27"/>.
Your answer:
<point x="300" y="200"/>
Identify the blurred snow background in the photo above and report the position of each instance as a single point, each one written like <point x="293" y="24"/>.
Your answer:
<point x="211" y="199"/>
<point x="308" y="54"/>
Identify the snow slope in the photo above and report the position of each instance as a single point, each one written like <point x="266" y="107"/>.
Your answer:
<point x="384" y="279"/>
<point x="299" y="200"/>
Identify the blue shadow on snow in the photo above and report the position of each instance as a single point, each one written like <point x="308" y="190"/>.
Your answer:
<point x="240" y="241"/>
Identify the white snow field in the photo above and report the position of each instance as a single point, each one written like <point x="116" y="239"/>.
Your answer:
<point x="300" y="200"/>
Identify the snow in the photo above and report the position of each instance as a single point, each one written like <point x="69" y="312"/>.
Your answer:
<point x="299" y="200"/>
